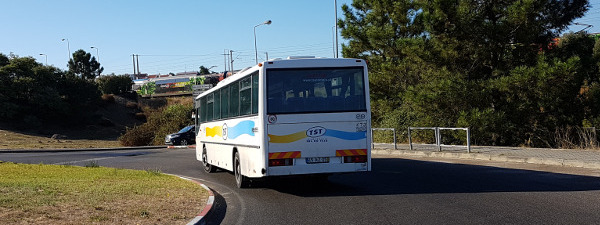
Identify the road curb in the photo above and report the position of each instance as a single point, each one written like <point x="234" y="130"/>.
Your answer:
<point x="181" y="146"/>
<point x="491" y="157"/>
<point x="200" y="219"/>
<point x="78" y="149"/>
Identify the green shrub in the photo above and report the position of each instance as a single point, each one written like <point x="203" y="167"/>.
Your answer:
<point x="137" y="136"/>
<point x="32" y="94"/>
<point x="159" y="123"/>
<point x="113" y="84"/>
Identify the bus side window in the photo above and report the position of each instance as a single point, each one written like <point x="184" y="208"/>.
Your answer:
<point x="246" y="96"/>
<point x="203" y="109"/>
<point x="254" y="93"/>
<point x="209" y="107"/>
<point x="234" y="99"/>
<point x="217" y="114"/>
<point x="197" y="112"/>
<point x="225" y="102"/>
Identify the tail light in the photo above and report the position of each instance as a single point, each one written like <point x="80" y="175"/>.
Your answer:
<point x="283" y="158"/>
<point x="355" y="159"/>
<point x="281" y="162"/>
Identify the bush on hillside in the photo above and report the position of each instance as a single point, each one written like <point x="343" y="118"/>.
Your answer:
<point x="160" y="123"/>
<point x="108" y="98"/>
<point x="142" y="135"/>
<point x="32" y="95"/>
<point x="131" y="105"/>
<point x="113" y="84"/>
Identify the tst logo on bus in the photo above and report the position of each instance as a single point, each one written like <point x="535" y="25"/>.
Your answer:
<point x="315" y="131"/>
<point x="224" y="135"/>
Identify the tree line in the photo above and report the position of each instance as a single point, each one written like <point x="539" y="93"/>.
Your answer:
<point x="33" y="95"/>
<point x="501" y="68"/>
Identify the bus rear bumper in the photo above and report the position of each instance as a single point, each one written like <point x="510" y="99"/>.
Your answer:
<point x="317" y="168"/>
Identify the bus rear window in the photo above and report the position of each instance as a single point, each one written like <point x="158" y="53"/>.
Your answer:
<point x="315" y="90"/>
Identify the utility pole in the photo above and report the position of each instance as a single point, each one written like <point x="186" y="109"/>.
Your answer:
<point x="134" y="73"/>
<point x="267" y="54"/>
<point x="138" y="63"/>
<point x="231" y="58"/>
<point x="225" y="59"/>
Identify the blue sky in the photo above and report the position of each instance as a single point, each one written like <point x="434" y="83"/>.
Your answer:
<point x="176" y="36"/>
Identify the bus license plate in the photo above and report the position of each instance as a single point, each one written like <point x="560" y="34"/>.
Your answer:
<point x="314" y="160"/>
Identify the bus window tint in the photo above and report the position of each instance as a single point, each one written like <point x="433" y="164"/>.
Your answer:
<point x="197" y="111"/>
<point x="209" y="107"/>
<point x="203" y="109"/>
<point x="225" y="102"/>
<point x="245" y="96"/>
<point x="254" y="93"/>
<point x="315" y="90"/>
<point x="217" y="106"/>
<point x="234" y="99"/>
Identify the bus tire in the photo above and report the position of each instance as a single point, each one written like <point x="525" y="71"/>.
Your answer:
<point x="240" y="180"/>
<point x="207" y="166"/>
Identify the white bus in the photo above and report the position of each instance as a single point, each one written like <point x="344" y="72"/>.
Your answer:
<point x="287" y="117"/>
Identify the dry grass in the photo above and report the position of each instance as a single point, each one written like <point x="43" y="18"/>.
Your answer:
<point x="180" y="101"/>
<point x="51" y="194"/>
<point x="576" y="138"/>
<point x="14" y="140"/>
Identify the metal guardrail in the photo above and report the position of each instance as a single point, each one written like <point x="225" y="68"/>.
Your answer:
<point x="438" y="136"/>
<point x="392" y="129"/>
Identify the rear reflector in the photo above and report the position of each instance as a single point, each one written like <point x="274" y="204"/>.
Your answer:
<point x="285" y="155"/>
<point x="281" y="162"/>
<point x="351" y="152"/>
<point x="283" y="158"/>
<point x="355" y="159"/>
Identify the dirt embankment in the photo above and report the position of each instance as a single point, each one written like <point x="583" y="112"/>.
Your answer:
<point x="114" y="117"/>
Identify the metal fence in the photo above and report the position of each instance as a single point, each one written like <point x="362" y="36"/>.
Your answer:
<point x="392" y="129"/>
<point x="438" y="136"/>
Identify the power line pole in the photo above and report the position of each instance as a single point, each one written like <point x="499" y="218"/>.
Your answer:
<point x="225" y="58"/>
<point x="133" y="57"/>
<point x="231" y="58"/>
<point x="267" y="54"/>
<point x="138" y="63"/>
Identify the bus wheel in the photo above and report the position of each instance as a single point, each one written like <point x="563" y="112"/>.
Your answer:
<point x="207" y="167"/>
<point x="240" y="180"/>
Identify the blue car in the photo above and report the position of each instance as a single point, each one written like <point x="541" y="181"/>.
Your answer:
<point x="185" y="136"/>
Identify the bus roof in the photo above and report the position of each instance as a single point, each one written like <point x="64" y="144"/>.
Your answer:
<point x="290" y="62"/>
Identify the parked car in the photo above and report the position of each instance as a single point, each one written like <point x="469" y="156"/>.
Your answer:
<point x="185" y="136"/>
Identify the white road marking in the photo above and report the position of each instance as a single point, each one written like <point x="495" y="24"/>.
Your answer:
<point x="85" y="160"/>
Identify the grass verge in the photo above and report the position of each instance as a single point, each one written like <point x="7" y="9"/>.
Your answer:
<point x="13" y="140"/>
<point x="53" y="194"/>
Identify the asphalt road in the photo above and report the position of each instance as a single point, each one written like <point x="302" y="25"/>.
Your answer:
<point x="397" y="191"/>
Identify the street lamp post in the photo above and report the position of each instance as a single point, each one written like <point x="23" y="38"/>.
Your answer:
<point x="336" y="31"/>
<point x="255" y="49"/>
<point x="68" y="46"/>
<point x="333" y="39"/>
<point x="46" y="58"/>
<point x="97" y="55"/>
